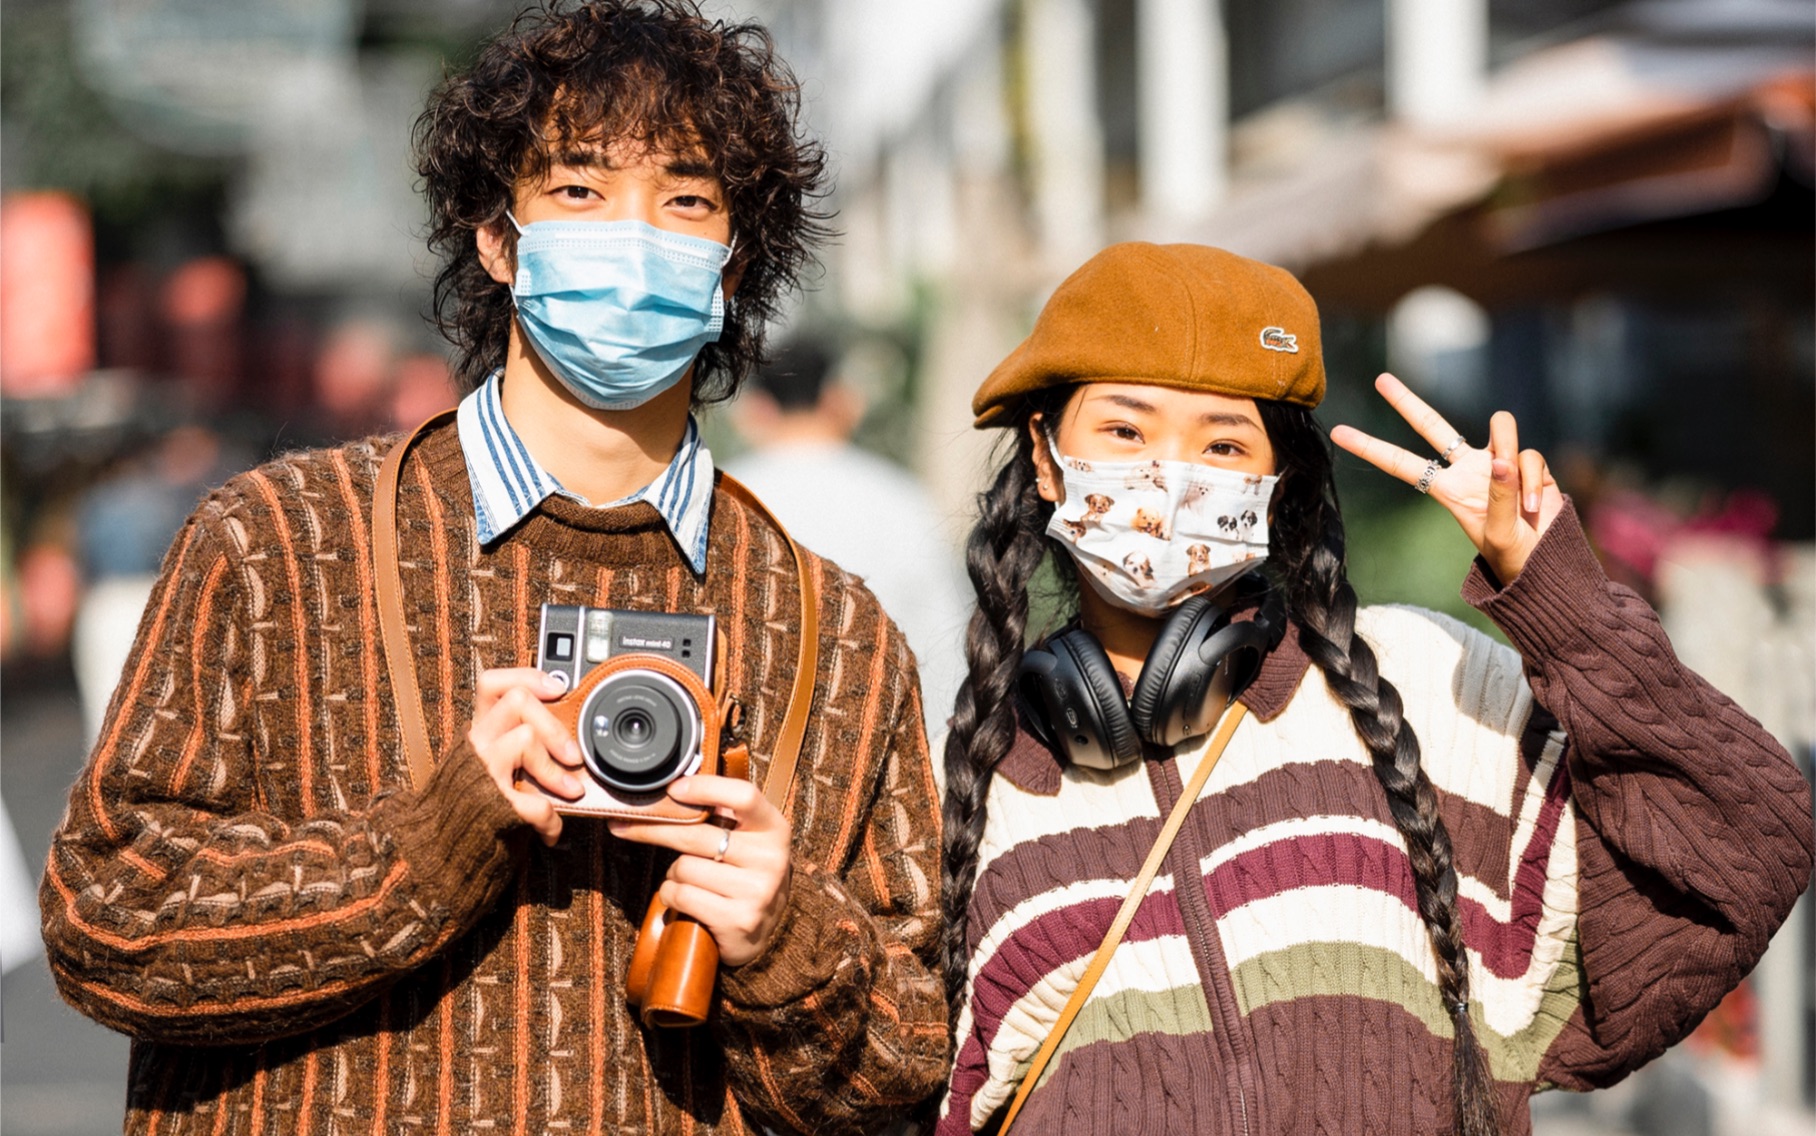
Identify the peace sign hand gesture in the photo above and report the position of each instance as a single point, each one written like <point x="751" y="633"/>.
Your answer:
<point x="1504" y="497"/>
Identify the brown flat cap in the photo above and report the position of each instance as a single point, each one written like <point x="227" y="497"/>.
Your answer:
<point x="1169" y="315"/>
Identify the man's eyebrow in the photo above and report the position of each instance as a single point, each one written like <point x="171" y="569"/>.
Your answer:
<point x="690" y="167"/>
<point x="582" y="158"/>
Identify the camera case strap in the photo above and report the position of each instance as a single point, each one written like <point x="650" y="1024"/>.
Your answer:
<point x="413" y="724"/>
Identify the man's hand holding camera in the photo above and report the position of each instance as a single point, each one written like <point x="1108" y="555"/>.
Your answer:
<point x="732" y="876"/>
<point x="514" y="731"/>
<point x="733" y="880"/>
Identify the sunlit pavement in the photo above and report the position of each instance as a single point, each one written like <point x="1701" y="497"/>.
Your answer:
<point x="60" y="1074"/>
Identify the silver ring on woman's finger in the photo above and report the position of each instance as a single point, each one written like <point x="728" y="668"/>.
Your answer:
<point x="724" y="845"/>
<point x="1431" y="470"/>
<point x="1454" y="446"/>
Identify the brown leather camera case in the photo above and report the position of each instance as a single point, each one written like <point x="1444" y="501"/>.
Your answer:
<point x="599" y="801"/>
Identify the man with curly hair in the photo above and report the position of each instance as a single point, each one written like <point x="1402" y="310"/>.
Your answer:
<point x="301" y="937"/>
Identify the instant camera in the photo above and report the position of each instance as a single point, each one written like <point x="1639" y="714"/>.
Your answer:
<point x="639" y="700"/>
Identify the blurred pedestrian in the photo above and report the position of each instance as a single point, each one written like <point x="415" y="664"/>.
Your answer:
<point x="203" y="304"/>
<point x="124" y="525"/>
<point x="424" y="387"/>
<point x="866" y="513"/>
<point x="353" y="382"/>
<point x="50" y="586"/>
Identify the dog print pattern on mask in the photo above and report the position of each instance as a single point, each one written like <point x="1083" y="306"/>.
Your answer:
<point x="1151" y="523"/>
<point x="1151" y="533"/>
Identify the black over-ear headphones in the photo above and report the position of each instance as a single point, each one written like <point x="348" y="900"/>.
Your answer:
<point x="1072" y="701"/>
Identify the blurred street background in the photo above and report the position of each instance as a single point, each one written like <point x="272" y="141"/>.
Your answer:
<point x="1595" y="214"/>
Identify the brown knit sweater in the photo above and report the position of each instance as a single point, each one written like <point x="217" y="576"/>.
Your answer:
<point x="298" y="941"/>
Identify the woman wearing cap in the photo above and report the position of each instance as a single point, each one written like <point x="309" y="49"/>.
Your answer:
<point x="1427" y="875"/>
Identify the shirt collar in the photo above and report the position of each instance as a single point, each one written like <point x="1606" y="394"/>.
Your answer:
<point x="508" y="483"/>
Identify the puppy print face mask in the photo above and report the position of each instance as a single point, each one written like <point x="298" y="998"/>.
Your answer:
<point x="1148" y="534"/>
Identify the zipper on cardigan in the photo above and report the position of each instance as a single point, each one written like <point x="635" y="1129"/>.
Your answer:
<point x="1184" y="860"/>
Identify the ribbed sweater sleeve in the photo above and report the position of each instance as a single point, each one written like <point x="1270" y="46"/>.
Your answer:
<point x="177" y="908"/>
<point x="841" y="1024"/>
<point x="1694" y="830"/>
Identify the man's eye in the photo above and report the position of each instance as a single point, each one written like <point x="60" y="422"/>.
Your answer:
<point x="575" y="192"/>
<point x="691" y="201"/>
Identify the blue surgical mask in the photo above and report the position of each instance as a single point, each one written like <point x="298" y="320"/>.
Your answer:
<point x="617" y="309"/>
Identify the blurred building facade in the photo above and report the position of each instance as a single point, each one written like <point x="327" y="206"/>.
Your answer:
<point x="211" y="227"/>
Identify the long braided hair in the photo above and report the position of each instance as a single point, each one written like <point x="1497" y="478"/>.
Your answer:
<point x="1306" y="563"/>
<point x="1005" y="550"/>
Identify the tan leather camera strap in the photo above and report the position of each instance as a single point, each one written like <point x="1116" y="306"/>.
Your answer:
<point x="1126" y="914"/>
<point x="387" y="576"/>
<point x="413" y="724"/>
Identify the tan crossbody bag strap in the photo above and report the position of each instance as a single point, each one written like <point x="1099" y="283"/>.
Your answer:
<point x="388" y="576"/>
<point x="1137" y="892"/>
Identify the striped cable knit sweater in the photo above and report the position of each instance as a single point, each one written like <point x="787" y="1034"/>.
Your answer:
<point x="299" y="941"/>
<point x="1626" y="838"/>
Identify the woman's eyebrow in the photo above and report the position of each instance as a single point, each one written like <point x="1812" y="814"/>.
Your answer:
<point x="1209" y="418"/>
<point x="1226" y="418"/>
<point x="1130" y="402"/>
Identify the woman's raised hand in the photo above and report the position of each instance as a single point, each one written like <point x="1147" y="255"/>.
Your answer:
<point x="1504" y="497"/>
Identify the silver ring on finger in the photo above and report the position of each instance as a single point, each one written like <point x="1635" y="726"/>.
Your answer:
<point x="1431" y="470"/>
<point x="724" y="846"/>
<point x="1455" y="445"/>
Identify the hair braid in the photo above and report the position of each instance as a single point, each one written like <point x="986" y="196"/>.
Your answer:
<point x="1308" y="557"/>
<point x="1004" y="551"/>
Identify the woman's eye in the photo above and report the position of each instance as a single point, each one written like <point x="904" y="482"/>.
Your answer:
<point x="1126" y="433"/>
<point x="1224" y="449"/>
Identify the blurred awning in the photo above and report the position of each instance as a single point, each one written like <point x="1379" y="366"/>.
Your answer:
<point x="1581" y="171"/>
<point x="1677" y="164"/>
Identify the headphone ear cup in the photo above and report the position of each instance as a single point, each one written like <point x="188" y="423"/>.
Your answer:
<point x="1240" y="649"/>
<point x="1173" y="677"/>
<point x="1119" y="743"/>
<point x="1076" y="702"/>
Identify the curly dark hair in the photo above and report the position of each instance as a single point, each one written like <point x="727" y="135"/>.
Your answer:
<point x="653" y="73"/>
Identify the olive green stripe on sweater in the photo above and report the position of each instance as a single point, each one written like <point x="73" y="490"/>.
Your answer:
<point x="1181" y="1011"/>
<point x="1337" y="969"/>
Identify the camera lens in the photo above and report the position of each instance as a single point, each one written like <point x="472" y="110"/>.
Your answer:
<point x="635" y="729"/>
<point x="639" y="731"/>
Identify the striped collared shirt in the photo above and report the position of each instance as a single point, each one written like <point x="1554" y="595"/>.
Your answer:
<point x="508" y="482"/>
